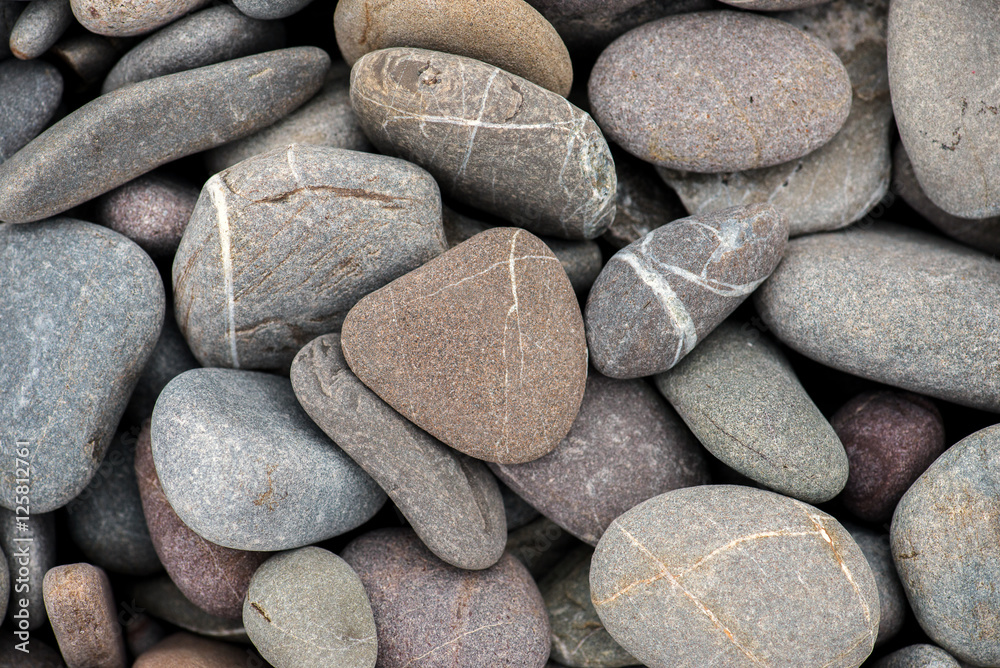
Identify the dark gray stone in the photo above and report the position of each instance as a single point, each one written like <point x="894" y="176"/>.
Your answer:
<point x="29" y="94"/>
<point x="250" y="290"/>
<point x="518" y="511"/>
<point x="739" y="395"/>
<point x="9" y="11"/>
<point x="451" y="500"/>
<point x="736" y="576"/>
<point x="893" y="305"/>
<point x="161" y="598"/>
<point x="40" y="25"/>
<point x="170" y="358"/>
<point x="41" y="655"/>
<point x="286" y="484"/>
<point x="80" y="310"/>
<point x="41" y="556"/>
<point x="126" y="19"/>
<point x="772" y="5"/>
<point x="492" y="139"/>
<point x="88" y="56"/>
<point x="918" y="656"/>
<point x="642" y="203"/>
<point x="138" y="128"/>
<point x="657" y="297"/>
<point x="5" y="588"/>
<point x="891" y="597"/>
<point x="540" y="545"/>
<point x="152" y="211"/>
<point x="270" y="9"/>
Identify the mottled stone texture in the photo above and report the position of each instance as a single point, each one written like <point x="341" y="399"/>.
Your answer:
<point x="642" y="203"/>
<point x="251" y="288"/>
<point x="125" y="19"/>
<point x="657" y="297"/>
<point x="918" y="656"/>
<point x="944" y="62"/>
<point x="891" y="597"/>
<point x="67" y="286"/>
<point x="84" y="618"/>
<point x="151" y="210"/>
<point x="185" y="649"/>
<point x="138" y="128"/>
<point x="39" y="26"/>
<point x="434" y="615"/>
<point x="946" y="545"/>
<point x="41" y="529"/>
<point x="507" y="33"/>
<point x="682" y="579"/>
<point x="626" y="445"/>
<point x="161" y="598"/>
<point x="491" y="139"/>
<point x="674" y="94"/>
<point x="482" y="347"/>
<point x="893" y="305"/>
<point x="29" y="94"/>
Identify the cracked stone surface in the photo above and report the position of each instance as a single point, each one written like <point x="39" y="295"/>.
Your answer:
<point x="679" y="580"/>
<point x="918" y="656"/>
<point x="433" y="615"/>
<point x="946" y="546"/>
<point x="84" y="618"/>
<point x="482" y="347"/>
<point x="282" y="245"/>
<point x="891" y="597"/>
<point x="186" y="649"/>
<point x="286" y="483"/>
<point x="739" y="395"/>
<point x="308" y="607"/>
<point x="657" y="297"/>
<point x="29" y="94"/>
<point x="491" y="139"/>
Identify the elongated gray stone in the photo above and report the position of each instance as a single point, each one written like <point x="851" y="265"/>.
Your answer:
<point x="40" y="25"/>
<point x="894" y="305"/>
<point x="80" y="309"/>
<point x="126" y="19"/>
<point x="451" y="500"/>
<point x="9" y="11"/>
<point x="918" y="656"/>
<point x="891" y="597"/>
<point x="270" y="9"/>
<point x="133" y="130"/>
<point x="492" y="139"/>
<point x="250" y="290"/>
<point x="30" y="545"/>
<point x="286" y="484"/>
<point x="29" y="94"/>
<point x="657" y="297"/>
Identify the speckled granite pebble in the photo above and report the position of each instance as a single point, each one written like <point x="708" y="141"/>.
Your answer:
<point x="29" y="94"/>
<point x="84" y="618"/>
<point x="41" y="529"/>
<point x="891" y="597"/>
<point x="161" y="598"/>
<point x="119" y="19"/>
<point x="151" y="210"/>
<point x="186" y="649"/>
<point x="918" y="656"/>
<point x="40" y="25"/>
<point x="170" y="357"/>
<point x="642" y="204"/>
<point x="270" y="9"/>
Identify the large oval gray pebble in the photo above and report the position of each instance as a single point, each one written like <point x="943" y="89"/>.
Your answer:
<point x="30" y="545"/>
<point x="40" y="26"/>
<point x="29" y="94"/>
<point x="918" y="656"/>
<point x="244" y="466"/>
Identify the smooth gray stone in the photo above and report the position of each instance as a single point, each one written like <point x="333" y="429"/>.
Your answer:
<point x="518" y="511"/>
<point x="540" y="545"/>
<point x="41" y="556"/>
<point x="161" y="598"/>
<point x="9" y="11"/>
<point x="946" y="545"/>
<point x="741" y="398"/>
<point x="138" y="128"/>
<point x="893" y="305"/>
<point x="206" y="37"/>
<point x="80" y="310"/>
<point x="170" y="358"/>
<point x="451" y="500"/>
<point x="734" y="576"/>
<point x="40" y="25"/>
<point x="918" y="656"/>
<point x="285" y="483"/>
<point x="270" y="9"/>
<point x="250" y="290"/>
<point x="643" y="203"/>
<point x="944" y="63"/>
<point x="891" y="597"/>
<point x="88" y="56"/>
<point x="127" y="19"/>
<point x="29" y="94"/>
<point x="307" y="607"/>
<point x="106" y="519"/>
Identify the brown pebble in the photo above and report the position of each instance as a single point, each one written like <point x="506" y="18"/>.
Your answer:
<point x="81" y="609"/>
<point x="190" y="651"/>
<point x="152" y="211"/>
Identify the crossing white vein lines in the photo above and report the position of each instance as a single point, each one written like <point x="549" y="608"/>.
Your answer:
<point x="674" y="307"/>
<point x="222" y="215"/>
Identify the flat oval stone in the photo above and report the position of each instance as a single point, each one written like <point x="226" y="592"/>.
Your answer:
<point x="946" y="545"/>
<point x="152" y="211"/>
<point x="626" y="445"/>
<point x="510" y="34"/>
<point x="482" y="347"/>
<point x="206" y="37"/>
<point x="161" y="598"/>
<point x="287" y="485"/>
<point x="308" y="608"/>
<point x="39" y="26"/>
<point x="29" y="94"/>
<point x="441" y="616"/>
<point x="944" y="62"/>
<point x="186" y="649"/>
<point x="657" y="297"/>
<point x="270" y="9"/>
<point x="40" y="552"/>
<point x="679" y="580"/>
<point x="739" y="395"/>
<point x="492" y="139"/>
<point x="170" y="358"/>
<point x="86" y="288"/>
<point x="250" y="289"/>
<point x="84" y="618"/>
<point x="642" y="203"/>
<point x="893" y="305"/>
<point x="893" y="608"/>
<point x="918" y="656"/>
<point x="129" y="133"/>
<point x="115" y="19"/>
<point x="672" y="93"/>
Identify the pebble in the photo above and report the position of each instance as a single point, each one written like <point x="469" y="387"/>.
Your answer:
<point x="85" y="284"/>
<point x="492" y="139"/>
<point x="88" y="56"/>
<point x="943" y="66"/>
<point x="270" y="9"/>
<point x="510" y="34"/>
<point x="117" y="19"/>
<point x="40" y="656"/>
<point x="170" y="358"/>
<point x="518" y="511"/>
<point x="739" y="395"/>
<point x="186" y="649"/>
<point x="451" y="501"/>
<point x="772" y="5"/>
<point x="142" y="632"/>
<point x="161" y="598"/>
<point x="918" y="656"/>
<point x="287" y="485"/>
<point x="892" y="599"/>
<point x="40" y="26"/>
<point x="443" y="616"/>
<point x="679" y="580"/>
<point x="41" y="529"/>
<point x="482" y="347"/>
<point x="206" y="37"/>
<point x="251" y="290"/>
<point x="657" y="297"/>
<point x="213" y="577"/>
<point x="895" y="306"/>
<point x="9" y="13"/>
<point x="767" y="94"/>
<point x="642" y="203"/>
<point x="29" y="94"/>
<point x="84" y="618"/>
<point x="946" y="546"/>
<point x="127" y="135"/>
<point x="625" y="446"/>
<point x="540" y="545"/>
<point x="308" y="607"/>
<point x="151" y="210"/>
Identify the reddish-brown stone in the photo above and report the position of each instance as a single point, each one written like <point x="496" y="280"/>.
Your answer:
<point x="187" y="649"/>
<point x="81" y="609"/>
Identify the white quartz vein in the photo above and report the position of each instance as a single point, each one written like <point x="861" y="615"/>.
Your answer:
<point x="222" y="215"/>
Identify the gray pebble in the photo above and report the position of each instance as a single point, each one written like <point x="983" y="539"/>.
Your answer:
<point x="41" y="556"/>
<point x="9" y="12"/>
<point x="286" y="484"/>
<point x="918" y="656"/>
<point x="642" y="203"/>
<point x="270" y="9"/>
<point x="540" y="545"/>
<point x="152" y="211"/>
<point x="40" y="25"/>
<point x="772" y="5"/>
<point x="126" y="19"/>
<point x="161" y="598"/>
<point x="170" y="357"/>
<point x="29" y="94"/>
<point x="891" y="597"/>
<point x="88" y="56"/>
<point x="518" y="511"/>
